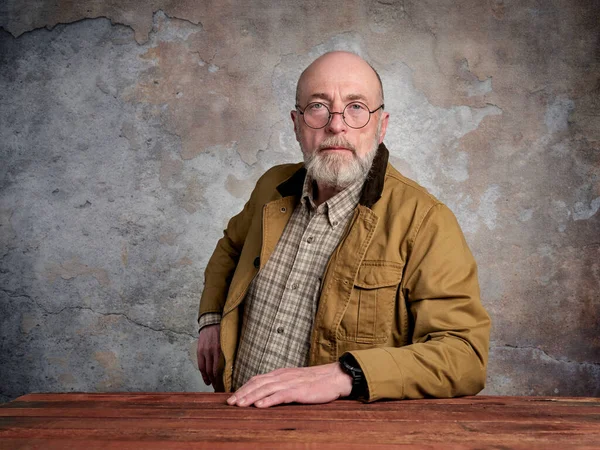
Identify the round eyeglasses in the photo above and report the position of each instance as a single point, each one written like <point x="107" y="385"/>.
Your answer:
<point x="356" y="114"/>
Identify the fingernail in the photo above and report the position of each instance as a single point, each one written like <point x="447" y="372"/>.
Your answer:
<point x="242" y="402"/>
<point x="259" y="403"/>
<point x="231" y="400"/>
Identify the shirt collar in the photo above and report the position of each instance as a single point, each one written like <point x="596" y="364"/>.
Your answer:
<point x="338" y="206"/>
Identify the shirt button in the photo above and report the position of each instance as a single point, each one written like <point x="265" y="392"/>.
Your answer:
<point x="294" y="286"/>
<point x="335" y="222"/>
<point x="310" y="239"/>
<point x="280" y="330"/>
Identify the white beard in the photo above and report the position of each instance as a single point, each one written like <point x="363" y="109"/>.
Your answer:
<point x="338" y="170"/>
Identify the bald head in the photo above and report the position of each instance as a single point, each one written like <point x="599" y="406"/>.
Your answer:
<point x="340" y="66"/>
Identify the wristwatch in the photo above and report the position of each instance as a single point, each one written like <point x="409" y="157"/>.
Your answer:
<point x="359" y="384"/>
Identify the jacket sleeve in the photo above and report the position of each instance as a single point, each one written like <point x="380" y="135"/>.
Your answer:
<point x="448" y="353"/>
<point x="223" y="262"/>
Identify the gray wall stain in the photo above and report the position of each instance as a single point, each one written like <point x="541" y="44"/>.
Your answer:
<point x="131" y="132"/>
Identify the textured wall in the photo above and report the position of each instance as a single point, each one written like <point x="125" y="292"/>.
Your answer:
<point x="131" y="131"/>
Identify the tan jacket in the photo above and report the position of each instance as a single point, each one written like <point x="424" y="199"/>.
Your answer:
<point x="400" y="292"/>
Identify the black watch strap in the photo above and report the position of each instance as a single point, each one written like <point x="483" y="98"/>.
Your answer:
<point x="349" y="365"/>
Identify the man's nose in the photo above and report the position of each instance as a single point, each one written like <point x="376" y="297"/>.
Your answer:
<point x="336" y="124"/>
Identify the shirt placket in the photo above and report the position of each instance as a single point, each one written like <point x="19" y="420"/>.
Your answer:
<point x="284" y="332"/>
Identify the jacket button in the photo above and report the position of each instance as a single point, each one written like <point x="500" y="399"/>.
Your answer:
<point x="257" y="262"/>
<point x="283" y="209"/>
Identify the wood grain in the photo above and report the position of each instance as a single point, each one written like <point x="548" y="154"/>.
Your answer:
<point x="203" y="420"/>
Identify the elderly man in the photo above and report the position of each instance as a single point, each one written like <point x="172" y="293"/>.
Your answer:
<point x="340" y="277"/>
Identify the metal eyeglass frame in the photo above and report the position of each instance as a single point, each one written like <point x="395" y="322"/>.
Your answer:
<point x="382" y="106"/>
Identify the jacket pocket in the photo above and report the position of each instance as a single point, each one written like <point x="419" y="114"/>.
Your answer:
<point x="370" y="312"/>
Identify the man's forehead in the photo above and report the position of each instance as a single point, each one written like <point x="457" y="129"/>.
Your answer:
<point x="350" y="86"/>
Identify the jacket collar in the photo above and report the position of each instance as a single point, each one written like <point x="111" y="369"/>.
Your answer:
<point x="371" y="189"/>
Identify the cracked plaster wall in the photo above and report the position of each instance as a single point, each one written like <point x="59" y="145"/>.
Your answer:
<point x="131" y="131"/>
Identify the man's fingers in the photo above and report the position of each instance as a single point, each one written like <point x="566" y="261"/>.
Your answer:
<point x="215" y="364"/>
<point x="261" y="392"/>
<point x="248" y="388"/>
<point x="279" y="397"/>
<point x="202" y="367"/>
<point x="207" y="374"/>
<point x="202" y="364"/>
<point x="261" y="386"/>
<point x="200" y="357"/>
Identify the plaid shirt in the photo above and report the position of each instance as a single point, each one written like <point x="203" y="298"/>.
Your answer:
<point x="282" y="300"/>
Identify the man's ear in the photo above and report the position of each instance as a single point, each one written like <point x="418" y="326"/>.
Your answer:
<point x="294" y="116"/>
<point x="384" y="124"/>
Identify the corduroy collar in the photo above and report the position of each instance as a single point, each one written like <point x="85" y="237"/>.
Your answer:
<point x="371" y="189"/>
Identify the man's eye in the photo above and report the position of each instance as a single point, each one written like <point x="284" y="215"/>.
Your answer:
<point x="316" y="105"/>
<point x="356" y="106"/>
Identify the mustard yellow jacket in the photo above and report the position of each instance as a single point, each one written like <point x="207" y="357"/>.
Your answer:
<point x="400" y="292"/>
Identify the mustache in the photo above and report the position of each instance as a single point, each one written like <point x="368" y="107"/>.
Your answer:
<point x="336" y="141"/>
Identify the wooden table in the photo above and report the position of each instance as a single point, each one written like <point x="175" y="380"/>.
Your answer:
<point x="203" y="420"/>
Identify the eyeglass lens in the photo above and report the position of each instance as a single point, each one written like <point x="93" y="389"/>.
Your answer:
<point x="355" y="114"/>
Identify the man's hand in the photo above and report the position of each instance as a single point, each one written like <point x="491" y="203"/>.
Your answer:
<point x="209" y="352"/>
<point x="318" y="384"/>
